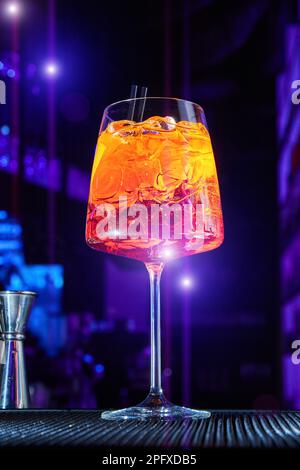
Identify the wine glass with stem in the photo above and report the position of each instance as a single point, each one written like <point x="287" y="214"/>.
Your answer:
<point x="154" y="196"/>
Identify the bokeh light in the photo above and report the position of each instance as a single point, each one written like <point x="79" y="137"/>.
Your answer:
<point x="88" y="359"/>
<point x="5" y="130"/>
<point x="13" y="8"/>
<point x="186" y="282"/>
<point x="99" y="369"/>
<point x="51" y="69"/>
<point x="11" y="73"/>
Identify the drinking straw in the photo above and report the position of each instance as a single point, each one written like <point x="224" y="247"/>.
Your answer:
<point x="142" y="103"/>
<point x="133" y="93"/>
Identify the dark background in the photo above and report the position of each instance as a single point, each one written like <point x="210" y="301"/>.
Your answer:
<point x="225" y="55"/>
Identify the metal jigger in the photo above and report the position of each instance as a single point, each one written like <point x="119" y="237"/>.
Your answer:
<point x="15" y="307"/>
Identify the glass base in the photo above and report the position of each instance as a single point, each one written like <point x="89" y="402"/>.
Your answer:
<point x="153" y="408"/>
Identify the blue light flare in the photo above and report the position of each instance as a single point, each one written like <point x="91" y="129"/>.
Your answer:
<point x="99" y="368"/>
<point x="11" y="73"/>
<point x="88" y="359"/>
<point x="5" y="130"/>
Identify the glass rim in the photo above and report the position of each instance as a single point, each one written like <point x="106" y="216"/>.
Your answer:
<point x="128" y="100"/>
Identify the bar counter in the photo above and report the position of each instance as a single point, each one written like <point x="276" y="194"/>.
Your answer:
<point x="84" y="429"/>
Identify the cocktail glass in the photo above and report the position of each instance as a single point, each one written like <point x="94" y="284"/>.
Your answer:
<point x="154" y="196"/>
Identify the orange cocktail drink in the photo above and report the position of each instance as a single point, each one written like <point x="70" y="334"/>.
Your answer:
<point x="154" y="191"/>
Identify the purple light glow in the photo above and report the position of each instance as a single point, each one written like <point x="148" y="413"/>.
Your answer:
<point x="35" y="90"/>
<point x="13" y="8"/>
<point x="167" y="372"/>
<point x="30" y="71"/>
<point x="51" y="69"/>
<point x="8" y="162"/>
<point x="186" y="282"/>
<point x="40" y="170"/>
<point x="77" y="184"/>
<point x="127" y="305"/>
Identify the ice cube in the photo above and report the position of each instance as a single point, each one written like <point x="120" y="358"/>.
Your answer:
<point x="193" y="127"/>
<point x="171" y="121"/>
<point x="159" y="123"/>
<point x="116" y="126"/>
<point x="129" y="132"/>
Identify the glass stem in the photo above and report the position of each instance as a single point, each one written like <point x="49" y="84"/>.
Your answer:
<point x="155" y="270"/>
